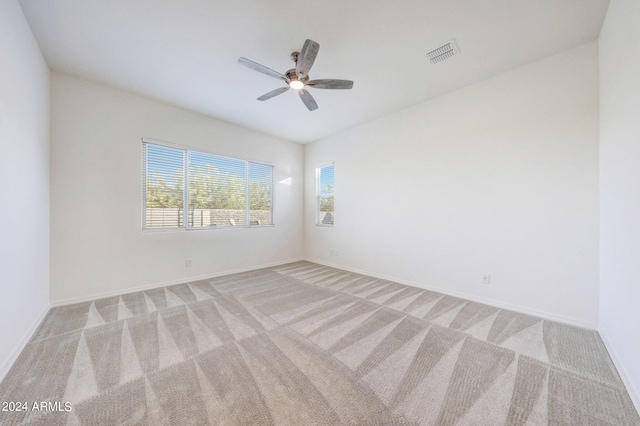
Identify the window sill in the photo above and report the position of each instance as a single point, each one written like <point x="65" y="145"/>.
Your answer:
<point x="204" y="228"/>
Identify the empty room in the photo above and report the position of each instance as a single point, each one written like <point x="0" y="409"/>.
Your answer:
<point x="341" y="213"/>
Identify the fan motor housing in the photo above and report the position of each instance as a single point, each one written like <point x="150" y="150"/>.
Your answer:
<point x="292" y="75"/>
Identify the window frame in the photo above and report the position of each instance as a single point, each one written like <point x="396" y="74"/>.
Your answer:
<point x="185" y="223"/>
<point x="320" y="196"/>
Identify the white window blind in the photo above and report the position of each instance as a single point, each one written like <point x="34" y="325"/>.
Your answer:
<point x="218" y="191"/>
<point x="163" y="186"/>
<point x="324" y="195"/>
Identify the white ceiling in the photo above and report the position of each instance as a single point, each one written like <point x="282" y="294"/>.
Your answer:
<point x="185" y="52"/>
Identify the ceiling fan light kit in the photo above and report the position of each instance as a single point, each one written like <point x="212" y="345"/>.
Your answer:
<point x="298" y="78"/>
<point x="296" y="84"/>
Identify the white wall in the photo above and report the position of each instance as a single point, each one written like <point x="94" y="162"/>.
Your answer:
<point x="97" y="246"/>
<point x="24" y="184"/>
<point x="498" y="177"/>
<point x="620" y="189"/>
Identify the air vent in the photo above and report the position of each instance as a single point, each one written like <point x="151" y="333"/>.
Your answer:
<point x="442" y="53"/>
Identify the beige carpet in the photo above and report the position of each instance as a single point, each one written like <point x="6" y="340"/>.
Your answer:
<point x="305" y="344"/>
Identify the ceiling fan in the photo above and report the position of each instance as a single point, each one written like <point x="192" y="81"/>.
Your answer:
<point x="298" y="78"/>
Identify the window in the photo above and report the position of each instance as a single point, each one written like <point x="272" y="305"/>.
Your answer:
<point x="218" y="191"/>
<point x="324" y="195"/>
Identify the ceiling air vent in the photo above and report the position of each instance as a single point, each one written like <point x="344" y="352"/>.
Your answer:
<point x="442" y="53"/>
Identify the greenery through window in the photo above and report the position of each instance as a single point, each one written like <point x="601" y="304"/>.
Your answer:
<point x="324" y="195"/>
<point x="218" y="191"/>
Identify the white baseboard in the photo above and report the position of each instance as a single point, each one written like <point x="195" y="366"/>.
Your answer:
<point x="8" y="363"/>
<point x="86" y="298"/>
<point x="631" y="388"/>
<point x="485" y="300"/>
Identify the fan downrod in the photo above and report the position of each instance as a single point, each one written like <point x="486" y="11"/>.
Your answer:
<point x="292" y="74"/>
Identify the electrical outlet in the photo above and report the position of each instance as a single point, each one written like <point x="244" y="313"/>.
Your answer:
<point x="187" y="263"/>
<point x="485" y="278"/>
<point x="336" y="252"/>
